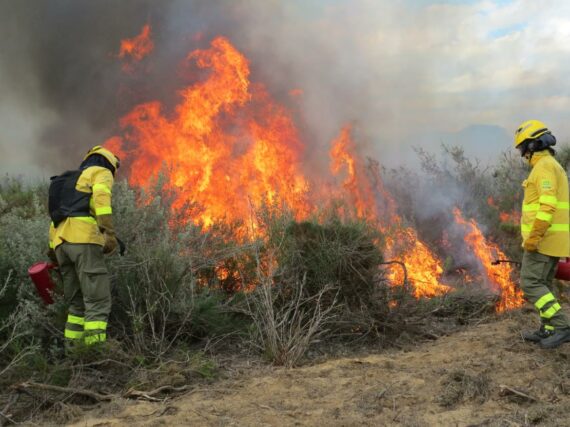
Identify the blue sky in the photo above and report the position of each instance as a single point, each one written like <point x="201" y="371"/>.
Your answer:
<point x="505" y="31"/>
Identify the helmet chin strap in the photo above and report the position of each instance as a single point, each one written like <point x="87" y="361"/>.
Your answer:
<point x="528" y="149"/>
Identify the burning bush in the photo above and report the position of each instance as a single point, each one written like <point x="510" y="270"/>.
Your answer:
<point x="302" y="281"/>
<point x="310" y="279"/>
<point x="159" y="302"/>
<point x="232" y="220"/>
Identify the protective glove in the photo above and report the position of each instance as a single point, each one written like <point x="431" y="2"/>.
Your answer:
<point x="537" y="232"/>
<point x="111" y="243"/>
<point x="51" y="255"/>
<point x="105" y="223"/>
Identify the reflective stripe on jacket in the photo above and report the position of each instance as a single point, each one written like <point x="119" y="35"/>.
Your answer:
<point x="546" y="198"/>
<point x="99" y="182"/>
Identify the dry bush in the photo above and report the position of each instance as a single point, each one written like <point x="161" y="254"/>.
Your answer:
<point x="159" y="317"/>
<point x="465" y="303"/>
<point x="330" y="275"/>
<point x="286" y="319"/>
<point x="338" y="264"/>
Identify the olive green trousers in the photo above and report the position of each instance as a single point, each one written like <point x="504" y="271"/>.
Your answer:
<point x="87" y="290"/>
<point x="537" y="273"/>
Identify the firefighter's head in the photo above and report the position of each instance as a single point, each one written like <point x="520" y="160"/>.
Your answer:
<point x="113" y="160"/>
<point x="532" y="136"/>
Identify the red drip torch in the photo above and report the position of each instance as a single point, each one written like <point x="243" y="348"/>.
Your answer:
<point x="562" y="271"/>
<point x="39" y="273"/>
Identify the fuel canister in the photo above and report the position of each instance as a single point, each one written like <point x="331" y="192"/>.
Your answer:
<point x="563" y="271"/>
<point x="39" y="273"/>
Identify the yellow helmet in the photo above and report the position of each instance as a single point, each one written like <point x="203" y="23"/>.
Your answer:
<point x="98" y="149"/>
<point x="531" y="129"/>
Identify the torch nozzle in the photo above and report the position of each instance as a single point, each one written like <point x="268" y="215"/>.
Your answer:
<point x="507" y="261"/>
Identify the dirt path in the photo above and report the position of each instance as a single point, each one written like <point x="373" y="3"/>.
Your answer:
<point x="454" y="381"/>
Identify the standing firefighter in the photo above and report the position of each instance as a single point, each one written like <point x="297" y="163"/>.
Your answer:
<point x="80" y="233"/>
<point x="545" y="231"/>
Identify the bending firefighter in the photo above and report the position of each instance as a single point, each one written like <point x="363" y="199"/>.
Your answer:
<point x="545" y="231"/>
<point x="80" y="233"/>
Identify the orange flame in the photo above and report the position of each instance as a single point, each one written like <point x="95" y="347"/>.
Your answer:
<point x="218" y="175"/>
<point x="499" y="276"/>
<point x="374" y="203"/>
<point x="356" y="183"/>
<point x="423" y="268"/>
<point x="226" y="149"/>
<point x="136" y="48"/>
<point x="513" y="217"/>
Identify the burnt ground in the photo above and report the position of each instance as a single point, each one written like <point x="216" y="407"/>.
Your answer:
<point x="484" y="375"/>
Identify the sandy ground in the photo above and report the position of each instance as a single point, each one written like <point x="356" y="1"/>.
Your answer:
<point x="458" y="380"/>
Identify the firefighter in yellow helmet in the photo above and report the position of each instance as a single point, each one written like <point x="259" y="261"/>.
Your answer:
<point x="80" y="233"/>
<point x="545" y="231"/>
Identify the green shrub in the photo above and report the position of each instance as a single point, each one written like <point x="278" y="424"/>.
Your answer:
<point x="342" y="255"/>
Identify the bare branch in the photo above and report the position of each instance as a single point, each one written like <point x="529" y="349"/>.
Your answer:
<point x="48" y="387"/>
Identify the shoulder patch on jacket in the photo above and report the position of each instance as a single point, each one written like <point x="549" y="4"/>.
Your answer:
<point x="546" y="184"/>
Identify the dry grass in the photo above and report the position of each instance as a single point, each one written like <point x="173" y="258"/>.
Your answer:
<point x="460" y="386"/>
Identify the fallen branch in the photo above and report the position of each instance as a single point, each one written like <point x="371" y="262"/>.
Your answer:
<point x="149" y="395"/>
<point x="506" y="391"/>
<point x="48" y="387"/>
<point x="129" y="394"/>
<point x="141" y="395"/>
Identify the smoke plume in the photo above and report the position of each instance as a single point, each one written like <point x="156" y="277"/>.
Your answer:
<point x="396" y="70"/>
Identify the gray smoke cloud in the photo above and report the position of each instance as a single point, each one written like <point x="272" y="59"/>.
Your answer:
<point x="59" y="78"/>
<point x="61" y="82"/>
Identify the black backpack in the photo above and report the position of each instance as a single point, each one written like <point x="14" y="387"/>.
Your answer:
<point x="64" y="200"/>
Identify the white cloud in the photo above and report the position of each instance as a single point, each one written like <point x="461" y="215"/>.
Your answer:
<point x="399" y="68"/>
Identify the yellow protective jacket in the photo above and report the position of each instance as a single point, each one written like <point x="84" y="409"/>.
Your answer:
<point x="546" y="198"/>
<point x="98" y="181"/>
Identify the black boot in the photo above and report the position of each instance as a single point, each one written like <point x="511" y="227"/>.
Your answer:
<point x="560" y="336"/>
<point x="538" y="335"/>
